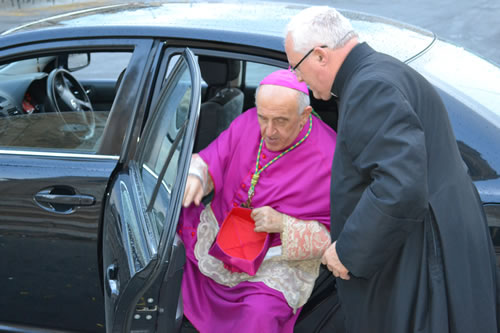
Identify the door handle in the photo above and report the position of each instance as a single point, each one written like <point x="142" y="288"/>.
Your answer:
<point x="65" y="199"/>
<point x="62" y="199"/>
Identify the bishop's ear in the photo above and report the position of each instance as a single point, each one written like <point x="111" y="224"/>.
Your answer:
<point x="305" y="114"/>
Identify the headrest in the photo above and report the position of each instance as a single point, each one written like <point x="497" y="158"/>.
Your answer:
<point x="218" y="71"/>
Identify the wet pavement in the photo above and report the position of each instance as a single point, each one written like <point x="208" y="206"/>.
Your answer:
<point x="470" y="24"/>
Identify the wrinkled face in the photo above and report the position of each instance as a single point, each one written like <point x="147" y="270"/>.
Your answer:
<point x="279" y="119"/>
<point x="309" y="71"/>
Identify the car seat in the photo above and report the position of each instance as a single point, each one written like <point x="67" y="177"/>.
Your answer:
<point x="221" y="103"/>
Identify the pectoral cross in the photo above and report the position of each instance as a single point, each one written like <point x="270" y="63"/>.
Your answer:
<point x="251" y="191"/>
<point x="246" y="204"/>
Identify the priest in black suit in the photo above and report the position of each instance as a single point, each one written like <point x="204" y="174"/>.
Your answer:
<point x="411" y="248"/>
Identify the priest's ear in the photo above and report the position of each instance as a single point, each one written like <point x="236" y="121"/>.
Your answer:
<point x="322" y="55"/>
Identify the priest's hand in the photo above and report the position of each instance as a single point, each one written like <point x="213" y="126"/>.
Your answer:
<point x="267" y="219"/>
<point x="193" y="191"/>
<point x="332" y="261"/>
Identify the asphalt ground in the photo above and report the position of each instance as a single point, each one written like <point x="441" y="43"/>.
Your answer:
<point x="473" y="25"/>
<point x="17" y="12"/>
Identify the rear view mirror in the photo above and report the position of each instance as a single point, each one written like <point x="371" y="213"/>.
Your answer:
<point x="78" y="61"/>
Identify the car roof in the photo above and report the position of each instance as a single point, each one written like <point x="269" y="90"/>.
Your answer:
<point x="258" y="24"/>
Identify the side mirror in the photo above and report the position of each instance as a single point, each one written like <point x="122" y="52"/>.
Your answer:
<point x="78" y="61"/>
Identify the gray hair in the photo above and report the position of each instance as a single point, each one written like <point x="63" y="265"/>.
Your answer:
<point x="303" y="99"/>
<point x="319" y="25"/>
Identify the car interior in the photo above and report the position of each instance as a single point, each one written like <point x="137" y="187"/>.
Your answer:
<point x="222" y="100"/>
<point x="56" y="102"/>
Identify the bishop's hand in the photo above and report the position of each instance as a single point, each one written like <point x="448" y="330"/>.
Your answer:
<point x="193" y="191"/>
<point x="267" y="219"/>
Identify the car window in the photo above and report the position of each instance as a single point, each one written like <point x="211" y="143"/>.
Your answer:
<point x="165" y="135"/>
<point x="58" y="102"/>
<point x="171" y="63"/>
<point x="104" y="66"/>
<point x="255" y="72"/>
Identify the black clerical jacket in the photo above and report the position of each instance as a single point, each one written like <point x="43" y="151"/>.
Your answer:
<point x="407" y="218"/>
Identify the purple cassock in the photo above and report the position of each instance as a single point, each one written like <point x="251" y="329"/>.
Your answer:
<point x="297" y="184"/>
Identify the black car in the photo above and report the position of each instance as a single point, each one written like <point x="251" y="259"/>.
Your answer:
<point x="100" y="111"/>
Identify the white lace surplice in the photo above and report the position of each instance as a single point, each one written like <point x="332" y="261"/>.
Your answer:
<point x="292" y="272"/>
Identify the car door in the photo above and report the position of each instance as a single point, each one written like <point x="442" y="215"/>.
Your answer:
<point x="53" y="183"/>
<point x="142" y="256"/>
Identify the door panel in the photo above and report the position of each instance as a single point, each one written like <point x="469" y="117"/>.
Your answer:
<point x="170" y="298"/>
<point x="48" y="260"/>
<point x="143" y="259"/>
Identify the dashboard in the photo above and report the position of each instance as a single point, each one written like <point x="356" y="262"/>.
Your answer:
<point x="23" y="94"/>
<point x="23" y="86"/>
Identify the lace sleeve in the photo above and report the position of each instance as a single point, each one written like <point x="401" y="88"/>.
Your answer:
<point x="303" y="239"/>
<point x="199" y="168"/>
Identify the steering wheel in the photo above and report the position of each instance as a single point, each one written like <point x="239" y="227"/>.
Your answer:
<point x="68" y="98"/>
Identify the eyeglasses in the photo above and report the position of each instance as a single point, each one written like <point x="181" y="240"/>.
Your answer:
<point x="294" y="68"/>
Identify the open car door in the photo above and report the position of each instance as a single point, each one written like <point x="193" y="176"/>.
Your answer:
<point x="143" y="257"/>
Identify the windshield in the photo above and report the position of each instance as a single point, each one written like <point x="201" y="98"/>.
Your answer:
<point x="34" y="65"/>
